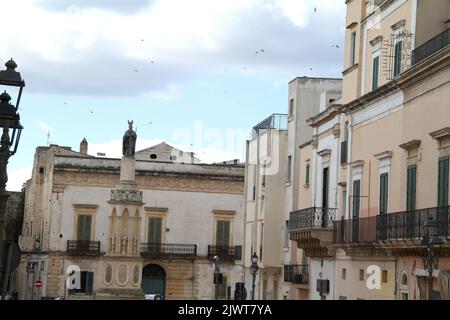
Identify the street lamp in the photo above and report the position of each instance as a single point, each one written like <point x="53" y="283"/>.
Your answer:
<point x="9" y="122"/>
<point x="218" y="278"/>
<point x="254" y="271"/>
<point x="433" y="245"/>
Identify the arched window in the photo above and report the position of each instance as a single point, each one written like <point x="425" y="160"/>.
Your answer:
<point x="404" y="279"/>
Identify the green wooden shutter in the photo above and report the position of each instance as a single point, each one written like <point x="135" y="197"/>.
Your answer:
<point x="84" y="227"/>
<point x="89" y="282"/>
<point x="154" y="230"/>
<point x="443" y="182"/>
<point x="375" y="72"/>
<point x="307" y="174"/>
<point x="223" y="233"/>
<point x="352" y="48"/>
<point x="411" y="188"/>
<point x="221" y="290"/>
<point x="356" y="198"/>
<point x="398" y="58"/>
<point x="384" y="181"/>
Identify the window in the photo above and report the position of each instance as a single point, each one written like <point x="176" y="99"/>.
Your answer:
<point x="291" y="107"/>
<point x="443" y="182"/>
<point x="286" y="234"/>
<point x="84" y="224"/>
<point x="361" y="274"/>
<point x="308" y="166"/>
<point x="153" y="156"/>
<point x="384" y="276"/>
<point x="154" y="230"/>
<point x="356" y="198"/>
<point x="352" y="48"/>
<point x="344" y="274"/>
<point x="384" y="180"/>
<point x="411" y="188"/>
<point x="223" y="232"/>
<point x="289" y="169"/>
<point x="398" y="58"/>
<point x="404" y="296"/>
<point x="254" y="193"/>
<point x="375" y="72"/>
<point x="41" y="170"/>
<point x="86" y="283"/>
<point x="221" y="289"/>
<point x="404" y="279"/>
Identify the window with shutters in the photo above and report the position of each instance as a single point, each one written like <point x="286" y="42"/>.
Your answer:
<point x="411" y="188"/>
<point x="398" y="58"/>
<point x="375" y="72"/>
<point x="443" y="182"/>
<point x="384" y="182"/>
<point x="86" y="284"/>
<point x="223" y="232"/>
<point x="221" y="289"/>
<point x="154" y="230"/>
<point x="84" y="226"/>
<point x="356" y="198"/>
<point x="307" y="173"/>
<point x="352" y="48"/>
<point x="289" y="169"/>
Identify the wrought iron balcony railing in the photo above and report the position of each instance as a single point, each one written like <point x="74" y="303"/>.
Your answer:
<point x="296" y="273"/>
<point x="224" y="252"/>
<point x="83" y="247"/>
<point x="407" y="225"/>
<point x="312" y="218"/>
<point x="431" y="47"/>
<point x="168" y="250"/>
<point x="276" y="121"/>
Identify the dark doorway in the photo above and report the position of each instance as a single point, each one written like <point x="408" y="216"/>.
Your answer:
<point x="154" y="280"/>
<point x="325" y="183"/>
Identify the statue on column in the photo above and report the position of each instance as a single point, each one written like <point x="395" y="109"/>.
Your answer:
<point x="129" y="141"/>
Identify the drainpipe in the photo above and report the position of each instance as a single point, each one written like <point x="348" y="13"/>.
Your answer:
<point x="349" y="160"/>
<point x="247" y="144"/>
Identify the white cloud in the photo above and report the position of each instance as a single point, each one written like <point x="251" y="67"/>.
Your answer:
<point x="45" y="127"/>
<point x="17" y="178"/>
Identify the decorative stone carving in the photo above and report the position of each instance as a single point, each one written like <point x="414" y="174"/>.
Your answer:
<point x="126" y="196"/>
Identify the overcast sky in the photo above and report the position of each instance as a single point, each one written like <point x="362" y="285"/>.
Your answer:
<point x="172" y="66"/>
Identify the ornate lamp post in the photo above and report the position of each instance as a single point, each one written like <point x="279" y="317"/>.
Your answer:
<point x="254" y="271"/>
<point x="433" y="245"/>
<point x="217" y="275"/>
<point x="11" y="131"/>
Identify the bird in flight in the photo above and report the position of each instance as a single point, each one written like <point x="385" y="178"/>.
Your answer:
<point x="152" y="61"/>
<point x="135" y="70"/>
<point x="92" y="111"/>
<point x="150" y="123"/>
<point x="315" y="9"/>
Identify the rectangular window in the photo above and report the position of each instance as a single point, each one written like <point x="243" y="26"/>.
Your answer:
<point x="221" y="289"/>
<point x="154" y="230"/>
<point x="443" y="182"/>
<point x="308" y="166"/>
<point x="344" y="274"/>
<point x="404" y="296"/>
<point x="356" y="198"/>
<point x="398" y="58"/>
<point x="84" y="224"/>
<point x="286" y="234"/>
<point x="361" y="274"/>
<point x="86" y="283"/>
<point x="411" y="188"/>
<point x="384" y="276"/>
<point x="291" y="107"/>
<point x="223" y="233"/>
<point x="375" y="72"/>
<point x="384" y="181"/>
<point x="289" y="169"/>
<point x="254" y="193"/>
<point x="352" y="48"/>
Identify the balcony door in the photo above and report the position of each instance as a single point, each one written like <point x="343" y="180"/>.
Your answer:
<point x="410" y="201"/>
<point x="84" y="224"/>
<point x="222" y="237"/>
<point x="383" y="207"/>
<point x="325" y="184"/>
<point x="154" y="236"/>
<point x="356" y="209"/>
<point x="442" y="211"/>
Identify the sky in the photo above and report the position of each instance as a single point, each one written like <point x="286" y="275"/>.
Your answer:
<point x="198" y="74"/>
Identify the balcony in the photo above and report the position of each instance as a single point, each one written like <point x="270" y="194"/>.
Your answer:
<point x="431" y="47"/>
<point x="312" y="229"/>
<point x="229" y="253"/>
<point x="168" y="250"/>
<point x="83" y="247"/>
<point x="397" y="232"/>
<point x="276" y="121"/>
<point x="296" y="274"/>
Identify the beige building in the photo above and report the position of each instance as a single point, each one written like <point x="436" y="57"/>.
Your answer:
<point x="146" y="224"/>
<point x="393" y="171"/>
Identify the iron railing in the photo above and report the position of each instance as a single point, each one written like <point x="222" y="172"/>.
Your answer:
<point x="83" y="247"/>
<point x="312" y="218"/>
<point x="431" y="47"/>
<point x="223" y="252"/>
<point x="296" y="273"/>
<point x="276" y="121"/>
<point x="168" y="250"/>
<point x="407" y="225"/>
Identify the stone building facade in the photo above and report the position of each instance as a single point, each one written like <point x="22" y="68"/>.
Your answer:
<point x="130" y="226"/>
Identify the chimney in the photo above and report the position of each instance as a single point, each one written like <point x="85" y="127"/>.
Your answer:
<point x="84" y="146"/>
